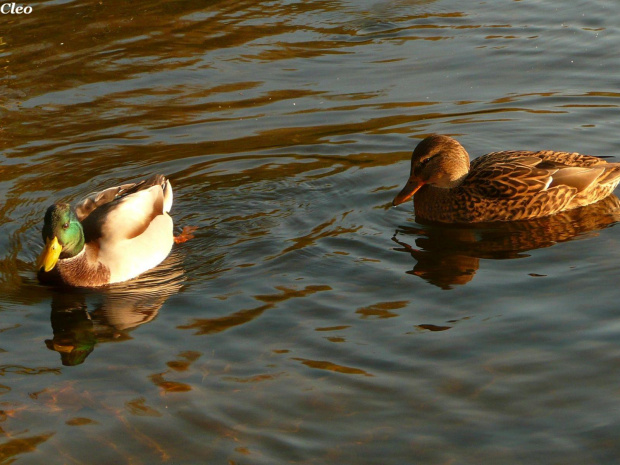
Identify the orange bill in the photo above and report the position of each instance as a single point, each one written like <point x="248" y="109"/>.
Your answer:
<point x="412" y="186"/>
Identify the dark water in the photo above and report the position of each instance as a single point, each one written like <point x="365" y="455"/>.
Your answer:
<point x="307" y="321"/>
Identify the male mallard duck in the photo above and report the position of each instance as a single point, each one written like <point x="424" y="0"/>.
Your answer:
<point x="501" y="186"/>
<point x="111" y="236"/>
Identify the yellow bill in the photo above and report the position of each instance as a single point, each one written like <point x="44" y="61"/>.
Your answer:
<point x="48" y="258"/>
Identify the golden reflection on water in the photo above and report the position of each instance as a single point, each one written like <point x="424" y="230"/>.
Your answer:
<point x="12" y="448"/>
<point x="280" y="124"/>
<point x="383" y="309"/>
<point x="205" y="326"/>
<point x="330" y="366"/>
<point x="450" y="255"/>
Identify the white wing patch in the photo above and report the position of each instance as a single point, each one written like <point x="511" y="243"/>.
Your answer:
<point x="579" y="178"/>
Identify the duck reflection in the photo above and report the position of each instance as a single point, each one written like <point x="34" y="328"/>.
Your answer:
<point x="116" y="310"/>
<point x="448" y="255"/>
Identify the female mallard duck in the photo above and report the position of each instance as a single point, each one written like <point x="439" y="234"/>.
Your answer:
<point x="501" y="186"/>
<point x="111" y="236"/>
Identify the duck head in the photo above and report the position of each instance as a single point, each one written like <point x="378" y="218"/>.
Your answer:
<point x="438" y="161"/>
<point x="63" y="236"/>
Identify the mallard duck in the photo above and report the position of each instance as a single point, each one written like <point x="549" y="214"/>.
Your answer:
<point x="111" y="236"/>
<point x="501" y="186"/>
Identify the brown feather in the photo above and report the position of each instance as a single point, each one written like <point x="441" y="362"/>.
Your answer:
<point x="503" y="186"/>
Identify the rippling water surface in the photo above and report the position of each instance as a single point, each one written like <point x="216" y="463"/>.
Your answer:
<point x="308" y="321"/>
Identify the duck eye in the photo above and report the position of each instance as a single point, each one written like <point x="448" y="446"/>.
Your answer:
<point x="66" y="225"/>
<point x="424" y="161"/>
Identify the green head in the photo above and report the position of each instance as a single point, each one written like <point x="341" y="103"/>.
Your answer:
<point x="63" y="236"/>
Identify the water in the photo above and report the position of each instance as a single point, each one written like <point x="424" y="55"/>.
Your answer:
<point x="307" y="321"/>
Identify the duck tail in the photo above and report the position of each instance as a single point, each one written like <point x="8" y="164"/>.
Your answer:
<point x="167" y="187"/>
<point x="161" y="180"/>
<point x="611" y="174"/>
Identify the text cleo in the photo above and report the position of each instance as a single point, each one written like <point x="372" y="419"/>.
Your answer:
<point x="15" y="9"/>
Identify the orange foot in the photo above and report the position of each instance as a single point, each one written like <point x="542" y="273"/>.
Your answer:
<point x="185" y="235"/>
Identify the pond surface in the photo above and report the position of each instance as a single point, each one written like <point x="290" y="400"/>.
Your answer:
<point x="308" y="322"/>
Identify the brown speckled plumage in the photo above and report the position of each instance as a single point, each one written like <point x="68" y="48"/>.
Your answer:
<point x="502" y="186"/>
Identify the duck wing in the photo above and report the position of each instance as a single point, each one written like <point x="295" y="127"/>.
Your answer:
<point x="97" y="199"/>
<point x="548" y="158"/>
<point x="507" y="179"/>
<point x="126" y="211"/>
<point x="519" y="173"/>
